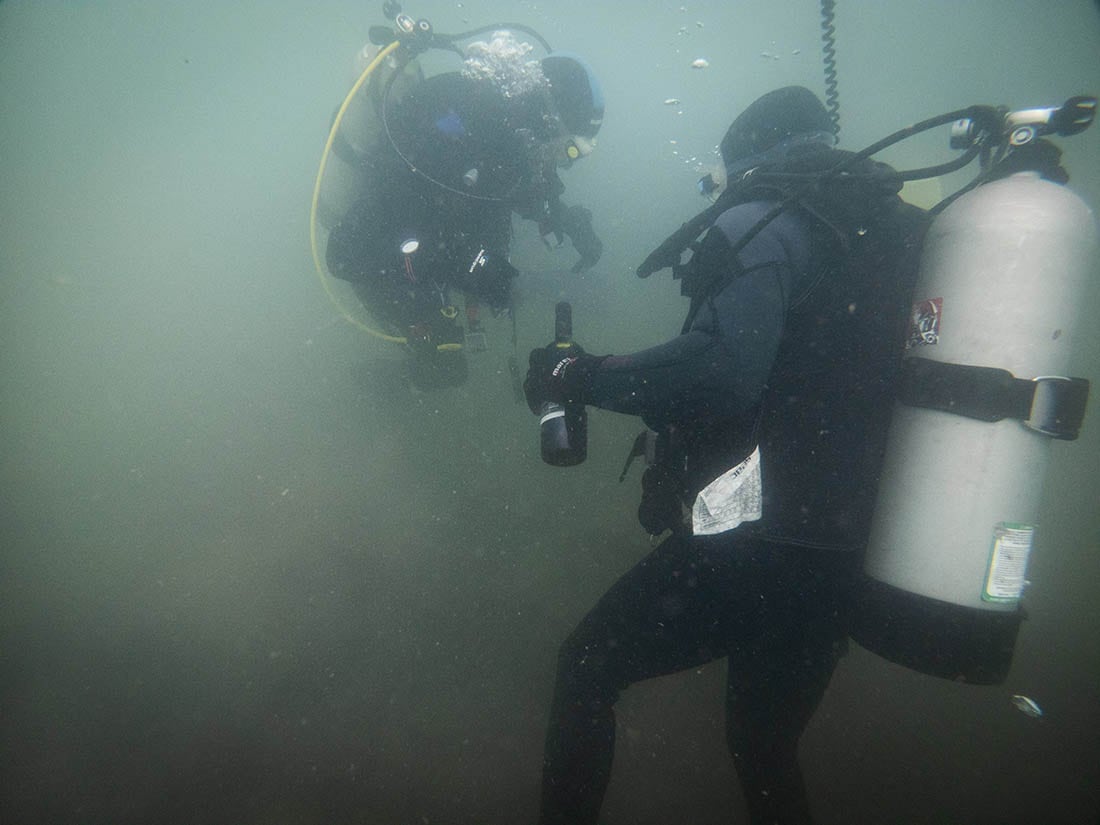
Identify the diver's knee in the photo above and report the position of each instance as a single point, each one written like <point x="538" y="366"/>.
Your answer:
<point x="586" y="670"/>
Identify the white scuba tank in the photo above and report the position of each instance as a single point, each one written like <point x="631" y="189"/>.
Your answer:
<point x="1003" y="270"/>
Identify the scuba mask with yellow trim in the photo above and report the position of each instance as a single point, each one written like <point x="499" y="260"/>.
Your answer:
<point x="577" y="147"/>
<point x="561" y="151"/>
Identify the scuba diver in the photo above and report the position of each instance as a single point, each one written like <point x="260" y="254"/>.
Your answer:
<point x="768" y="422"/>
<point x="770" y="413"/>
<point x="458" y="153"/>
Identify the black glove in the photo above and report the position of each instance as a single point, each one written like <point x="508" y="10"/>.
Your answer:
<point x="576" y="222"/>
<point x="558" y="374"/>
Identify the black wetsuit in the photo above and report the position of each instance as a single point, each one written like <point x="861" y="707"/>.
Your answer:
<point x="794" y="347"/>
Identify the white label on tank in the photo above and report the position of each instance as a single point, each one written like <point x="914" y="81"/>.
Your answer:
<point x="1004" y="580"/>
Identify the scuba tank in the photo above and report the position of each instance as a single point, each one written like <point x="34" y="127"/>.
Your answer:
<point x="985" y="394"/>
<point x="563" y="429"/>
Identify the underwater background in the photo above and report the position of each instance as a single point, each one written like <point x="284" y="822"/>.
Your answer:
<point x="247" y="577"/>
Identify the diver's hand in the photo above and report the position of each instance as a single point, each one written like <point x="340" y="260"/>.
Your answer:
<point x="548" y="230"/>
<point x="576" y="222"/>
<point x="558" y="374"/>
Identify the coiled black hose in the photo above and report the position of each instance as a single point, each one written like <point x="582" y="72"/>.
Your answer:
<point x="828" y="32"/>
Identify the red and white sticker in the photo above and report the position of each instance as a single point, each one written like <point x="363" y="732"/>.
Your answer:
<point x="924" y="323"/>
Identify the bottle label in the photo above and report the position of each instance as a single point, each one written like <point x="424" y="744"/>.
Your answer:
<point x="1005" y="576"/>
<point x="551" y="414"/>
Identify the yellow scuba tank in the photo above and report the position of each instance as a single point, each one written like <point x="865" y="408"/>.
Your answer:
<point x="356" y="130"/>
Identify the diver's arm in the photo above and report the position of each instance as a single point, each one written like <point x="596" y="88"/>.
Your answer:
<point x="576" y="223"/>
<point x="701" y="372"/>
<point x="720" y="366"/>
<point x="558" y="220"/>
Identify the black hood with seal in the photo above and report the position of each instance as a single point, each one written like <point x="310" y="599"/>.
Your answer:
<point x="772" y="118"/>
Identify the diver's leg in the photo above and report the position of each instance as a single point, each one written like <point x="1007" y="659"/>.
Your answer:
<point x="387" y="304"/>
<point x="778" y="675"/>
<point x="657" y="619"/>
<point x="433" y="338"/>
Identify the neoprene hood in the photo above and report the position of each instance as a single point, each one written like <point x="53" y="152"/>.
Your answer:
<point x="792" y="110"/>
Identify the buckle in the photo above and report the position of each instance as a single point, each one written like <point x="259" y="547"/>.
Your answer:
<point x="1058" y="406"/>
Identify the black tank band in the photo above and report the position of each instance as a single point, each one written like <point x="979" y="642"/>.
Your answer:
<point x="1051" y="405"/>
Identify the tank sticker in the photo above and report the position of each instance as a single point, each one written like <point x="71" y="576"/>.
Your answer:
<point x="924" y="323"/>
<point x="1004" y="579"/>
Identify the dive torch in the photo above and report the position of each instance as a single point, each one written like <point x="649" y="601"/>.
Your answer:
<point x="563" y="429"/>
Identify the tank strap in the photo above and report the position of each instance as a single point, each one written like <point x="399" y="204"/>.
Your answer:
<point x="1051" y="405"/>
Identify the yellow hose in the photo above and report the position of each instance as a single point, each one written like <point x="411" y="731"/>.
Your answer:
<point x="367" y="72"/>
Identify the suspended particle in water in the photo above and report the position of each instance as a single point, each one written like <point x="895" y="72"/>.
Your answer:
<point x="1027" y="706"/>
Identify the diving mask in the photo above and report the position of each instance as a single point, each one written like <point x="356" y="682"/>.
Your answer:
<point x="569" y="148"/>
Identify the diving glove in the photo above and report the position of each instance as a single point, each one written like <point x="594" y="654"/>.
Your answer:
<point x="558" y="375"/>
<point x="576" y="222"/>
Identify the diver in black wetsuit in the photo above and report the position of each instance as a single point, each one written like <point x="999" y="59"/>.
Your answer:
<point x="770" y="413"/>
<point x="463" y="151"/>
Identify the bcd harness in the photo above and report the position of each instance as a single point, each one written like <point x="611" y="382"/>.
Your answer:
<point x="842" y="204"/>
